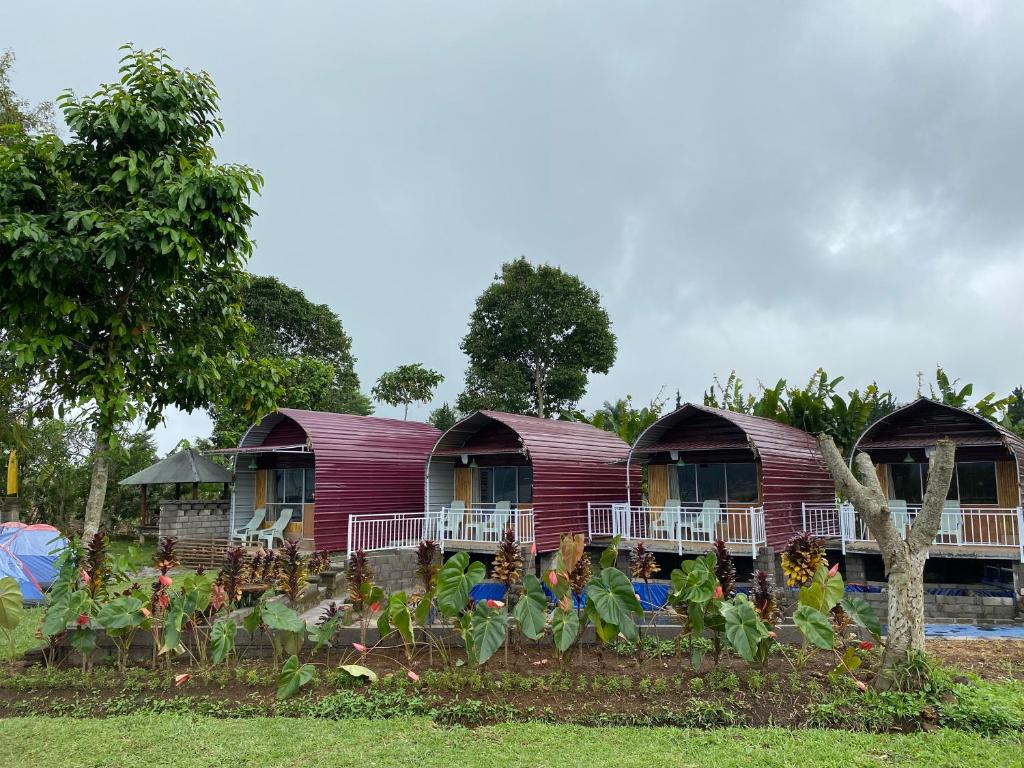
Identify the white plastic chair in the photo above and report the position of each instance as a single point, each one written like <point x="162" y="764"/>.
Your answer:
<point x="496" y="522"/>
<point x="705" y="524"/>
<point x="951" y="524"/>
<point x="452" y="520"/>
<point x="276" y="531"/>
<point x="900" y="516"/>
<point x="665" y="524"/>
<point x="249" y="530"/>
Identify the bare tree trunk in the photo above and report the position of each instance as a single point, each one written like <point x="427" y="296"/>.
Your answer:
<point x="97" y="488"/>
<point x="904" y="560"/>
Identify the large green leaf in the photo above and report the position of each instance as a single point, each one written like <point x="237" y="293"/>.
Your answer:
<point x="614" y="598"/>
<point x="863" y="615"/>
<point x="323" y="634"/>
<point x="565" y="625"/>
<point x="398" y="612"/>
<point x="121" y="613"/>
<point x="610" y="553"/>
<point x="64" y="610"/>
<point x="695" y="581"/>
<point x="280" y="617"/>
<point x="455" y="579"/>
<point x="252" y="620"/>
<point x="222" y="640"/>
<point x="358" y="670"/>
<point x="815" y="626"/>
<point x="83" y="640"/>
<point x="488" y="628"/>
<point x="422" y="613"/>
<point x="10" y="603"/>
<point x="293" y="676"/>
<point x="743" y="628"/>
<point x="531" y="611"/>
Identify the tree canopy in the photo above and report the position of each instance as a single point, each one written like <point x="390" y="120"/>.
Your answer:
<point x="622" y="417"/>
<point x="534" y="337"/>
<point x="122" y="255"/>
<point x="16" y="111"/>
<point x="309" y="342"/>
<point x="407" y="384"/>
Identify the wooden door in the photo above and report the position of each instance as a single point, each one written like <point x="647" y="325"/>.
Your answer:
<point x="464" y="485"/>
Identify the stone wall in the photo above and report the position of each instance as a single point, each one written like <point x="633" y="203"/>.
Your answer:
<point x="196" y="519"/>
<point x="959" y="609"/>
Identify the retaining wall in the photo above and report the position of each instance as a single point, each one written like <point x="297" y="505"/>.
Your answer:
<point x="196" y="519"/>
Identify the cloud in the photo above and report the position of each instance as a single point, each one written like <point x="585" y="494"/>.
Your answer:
<point x="766" y="187"/>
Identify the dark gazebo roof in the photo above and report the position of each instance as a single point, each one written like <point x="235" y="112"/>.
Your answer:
<point x="187" y="466"/>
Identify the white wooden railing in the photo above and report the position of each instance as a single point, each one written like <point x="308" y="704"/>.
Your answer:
<point x="684" y="526"/>
<point x="958" y="526"/>
<point x="376" y="532"/>
<point x="480" y="525"/>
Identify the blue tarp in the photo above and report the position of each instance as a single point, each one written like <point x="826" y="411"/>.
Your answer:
<point x="651" y="598"/>
<point x="28" y="554"/>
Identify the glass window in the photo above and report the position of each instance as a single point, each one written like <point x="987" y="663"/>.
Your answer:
<point x="905" y="482"/>
<point x="711" y="482"/>
<point x="310" y="484"/>
<point x="687" y="483"/>
<point x="293" y="486"/>
<point x="286" y="486"/>
<point x="525" y="485"/>
<point x="742" y="482"/>
<point x="484" y="482"/>
<point x="504" y="484"/>
<point x="977" y="482"/>
<point x="277" y="486"/>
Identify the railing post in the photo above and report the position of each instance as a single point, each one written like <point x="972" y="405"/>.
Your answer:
<point x="803" y="515"/>
<point x="350" y="550"/>
<point x="590" y="521"/>
<point x="1020" y="532"/>
<point x="842" y="527"/>
<point x="753" y="533"/>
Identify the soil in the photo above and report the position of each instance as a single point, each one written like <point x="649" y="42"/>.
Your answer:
<point x="602" y="686"/>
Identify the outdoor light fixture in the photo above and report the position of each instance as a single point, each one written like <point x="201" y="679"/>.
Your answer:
<point x="465" y="458"/>
<point x="674" y="455"/>
<point x="253" y="464"/>
<point x="473" y="464"/>
<point x="908" y="459"/>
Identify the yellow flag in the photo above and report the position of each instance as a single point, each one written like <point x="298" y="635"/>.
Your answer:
<point x="12" y="474"/>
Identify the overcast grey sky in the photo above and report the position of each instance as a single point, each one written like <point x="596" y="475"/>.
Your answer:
<point x="766" y="186"/>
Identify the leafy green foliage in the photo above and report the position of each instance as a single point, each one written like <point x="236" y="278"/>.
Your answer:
<point x="308" y="341"/>
<point x="863" y="615"/>
<point x="744" y="628"/>
<point x="222" y="640"/>
<point x="534" y="336"/>
<point x="615" y="601"/>
<point x="293" y="676"/>
<point x="565" y="626"/>
<point x="530" y="612"/>
<point x="10" y="609"/>
<point x="814" y="625"/>
<point x="444" y="417"/>
<point x="407" y="384"/>
<point x="488" y="628"/>
<point x="621" y="417"/>
<point x="455" y="579"/>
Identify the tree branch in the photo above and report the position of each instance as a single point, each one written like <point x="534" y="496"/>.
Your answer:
<point x="940" y="473"/>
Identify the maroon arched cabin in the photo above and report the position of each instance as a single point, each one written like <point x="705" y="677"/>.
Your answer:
<point x="719" y="474"/>
<point x="492" y="470"/>
<point x="327" y="466"/>
<point x="982" y="516"/>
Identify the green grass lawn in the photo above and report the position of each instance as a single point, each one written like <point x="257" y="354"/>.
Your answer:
<point x="24" y="634"/>
<point x="169" y="741"/>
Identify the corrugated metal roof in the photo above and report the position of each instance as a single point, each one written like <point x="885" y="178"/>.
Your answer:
<point x="186" y="466"/>
<point x="362" y="464"/>
<point x="792" y="470"/>
<point x="924" y="421"/>
<point x="573" y="463"/>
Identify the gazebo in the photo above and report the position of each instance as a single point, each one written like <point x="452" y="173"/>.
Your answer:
<point x="186" y="467"/>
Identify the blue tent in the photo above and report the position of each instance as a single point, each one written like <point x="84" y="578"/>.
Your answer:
<point x="29" y="553"/>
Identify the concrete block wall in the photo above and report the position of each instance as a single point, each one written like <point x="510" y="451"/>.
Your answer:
<point x="198" y="519"/>
<point x="961" y="609"/>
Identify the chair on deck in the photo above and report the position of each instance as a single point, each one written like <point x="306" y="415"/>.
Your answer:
<point x="249" y="530"/>
<point x="951" y="524"/>
<point x="704" y="526"/>
<point x="900" y="516"/>
<point x="497" y="522"/>
<point x="452" y="519"/>
<point x="276" y="531"/>
<point x="665" y="524"/>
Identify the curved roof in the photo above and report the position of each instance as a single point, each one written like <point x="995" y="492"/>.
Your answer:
<point x="573" y="464"/>
<point x="362" y="464"/>
<point x="792" y="470"/>
<point x="187" y="466"/>
<point x="923" y="421"/>
<point x="539" y="439"/>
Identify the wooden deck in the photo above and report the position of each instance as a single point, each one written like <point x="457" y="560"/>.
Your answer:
<point x="981" y="551"/>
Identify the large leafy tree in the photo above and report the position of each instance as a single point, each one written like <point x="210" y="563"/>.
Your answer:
<point x="407" y="384"/>
<point x="310" y="343"/>
<point x="19" y="112"/>
<point x="534" y="337"/>
<point x="122" y="256"/>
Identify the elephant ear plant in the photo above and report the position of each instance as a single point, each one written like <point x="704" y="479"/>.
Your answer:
<point x="455" y="580"/>
<point x="697" y="596"/>
<point x="10" y="611"/>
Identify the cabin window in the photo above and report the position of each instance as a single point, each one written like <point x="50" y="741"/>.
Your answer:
<point x="291" y="486"/>
<point x="730" y="483"/>
<point x="977" y="481"/>
<point x="973" y="482"/>
<point x="511" y="484"/>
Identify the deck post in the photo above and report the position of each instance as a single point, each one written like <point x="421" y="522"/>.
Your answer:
<point x="753" y="532"/>
<point x="803" y="515"/>
<point x="350" y="535"/>
<point x="590" y="521"/>
<point x="1020" y="532"/>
